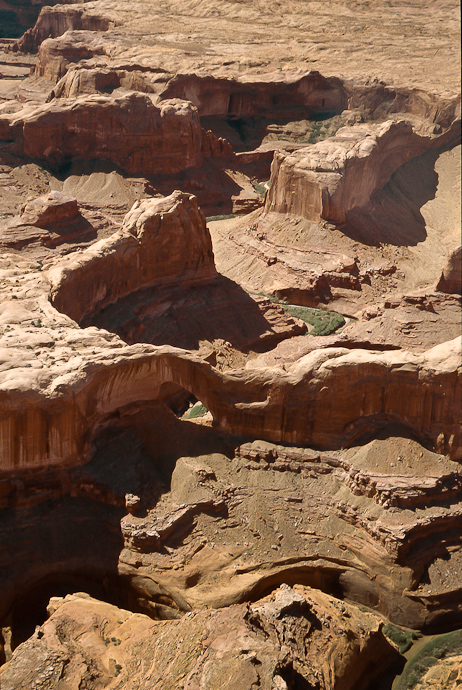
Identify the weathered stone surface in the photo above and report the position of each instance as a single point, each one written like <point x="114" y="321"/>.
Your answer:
<point x="162" y="241"/>
<point x="51" y="23"/>
<point x="48" y="220"/>
<point x="50" y="209"/>
<point x="131" y="131"/>
<point x="398" y="49"/>
<point x="96" y="419"/>
<point x="393" y="246"/>
<point x="274" y="642"/>
<point x="56" y="56"/>
<point x="422" y="392"/>
<point x="300" y="516"/>
<point x="18" y="16"/>
<point x="335" y="176"/>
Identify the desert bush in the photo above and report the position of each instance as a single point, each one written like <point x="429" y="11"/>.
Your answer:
<point x="437" y="648"/>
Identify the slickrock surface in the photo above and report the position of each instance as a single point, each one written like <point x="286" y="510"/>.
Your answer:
<point x="246" y="492"/>
<point x="398" y="243"/>
<point x="291" y="635"/>
<point x="399" y="44"/>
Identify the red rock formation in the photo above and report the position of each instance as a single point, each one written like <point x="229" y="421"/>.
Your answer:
<point x="162" y="241"/>
<point x="56" y="55"/>
<point x="377" y="101"/>
<point x="131" y="131"/>
<point x="52" y="208"/>
<point x="334" y="176"/>
<point x="93" y="80"/>
<point x="52" y="23"/>
<point x="328" y="399"/>
<point x="48" y="220"/>
<point x="215" y="147"/>
<point x="212" y="96"/>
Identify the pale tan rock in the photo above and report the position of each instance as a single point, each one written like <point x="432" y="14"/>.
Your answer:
<point x="52" y="208"/>
<point x="366" y="42"/>
<point x="292" y="633"/>
<point x="451" y="277"/>
<point x="300" y="516"/>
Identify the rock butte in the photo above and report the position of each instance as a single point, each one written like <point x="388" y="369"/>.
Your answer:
<point x="205" y="482"/>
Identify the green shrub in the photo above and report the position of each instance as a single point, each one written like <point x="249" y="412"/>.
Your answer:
<point x="197" y="411"/>
<point x="224" y="217"/>
<point x="403" y="639"/>
<point x="259" y="188"/>
<point x="437" y="648"/>
<point x="323" y="322"/>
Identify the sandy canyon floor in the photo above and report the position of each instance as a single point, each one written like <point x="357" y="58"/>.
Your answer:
<point x="230" y="360"/>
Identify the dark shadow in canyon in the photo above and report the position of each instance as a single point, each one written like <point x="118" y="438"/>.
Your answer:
<point x="183" y="316"/>
<point x="246" y="132"/>
<point x="56" y="541"/>
<point x="72" y="541"/>
<point x="393" y="214"/>
<point x="135" y="450"/>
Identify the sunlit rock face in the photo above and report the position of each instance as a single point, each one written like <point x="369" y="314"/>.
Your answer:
<point x="230" y="382"/>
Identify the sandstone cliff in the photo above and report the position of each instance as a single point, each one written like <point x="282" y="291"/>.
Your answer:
<point x="162" y="241"/>
<point x="88" y="641"/>
<point x="130" y="131"/>
<point x="335" y="176"/>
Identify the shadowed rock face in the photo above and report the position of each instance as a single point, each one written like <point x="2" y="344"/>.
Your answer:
<point x="336" y="176"/>
<point x="177" y="445"/>
<point x="451" y="280"/>
<point x="17" y="16"/>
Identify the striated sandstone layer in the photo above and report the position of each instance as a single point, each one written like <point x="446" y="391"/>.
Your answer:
<point x="130" y="131"/>
<point x="346" y="39"/>
<point x="135" y="378"/>
<point x="330" y="179"/>
<point x="229" y="531"/>
<point x="48" y="414"/>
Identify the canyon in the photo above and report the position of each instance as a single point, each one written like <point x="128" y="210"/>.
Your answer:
<point x="230" y="353"/>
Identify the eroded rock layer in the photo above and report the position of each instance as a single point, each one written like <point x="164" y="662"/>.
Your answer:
<point x="265" y="643"/>
<point x="139" y="137"/>
<point x="181" y="439"/>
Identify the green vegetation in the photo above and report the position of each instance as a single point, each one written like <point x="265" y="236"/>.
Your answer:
<point x="197" y="411"/>
<point x="225" y="217"/>
<point x="438" y="648"/>
<point x="403" y="639"/>
<point x="323" y="322"/>
<point x="259" y="187"/>
<point x="306" y="131"/>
